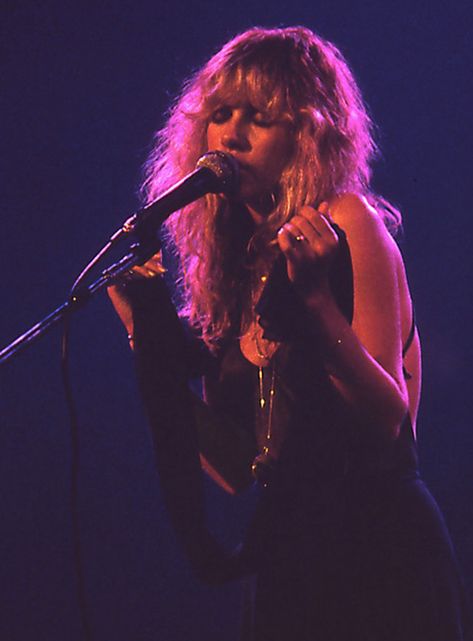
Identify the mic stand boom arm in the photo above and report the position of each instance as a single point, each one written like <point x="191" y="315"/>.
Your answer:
<point x="80" y="296"/>
<point x="142" y="225"/>
<point x="216" y="172"/>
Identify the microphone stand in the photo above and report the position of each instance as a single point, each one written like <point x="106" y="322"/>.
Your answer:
<point x="80" y="295"/>
<point x="139" y="252"/>
<point x="216" y="172"/>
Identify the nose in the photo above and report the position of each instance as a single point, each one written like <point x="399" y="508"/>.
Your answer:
<point x="234" y="135"/>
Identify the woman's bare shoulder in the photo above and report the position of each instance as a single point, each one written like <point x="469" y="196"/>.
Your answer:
<point x="370" y="240"/>
<point x="355" y="215"/>
<point x="366" y="231"/>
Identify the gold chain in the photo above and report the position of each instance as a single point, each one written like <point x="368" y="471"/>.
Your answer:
<point x="261" y="352"/>
<point x="263" y="463"/>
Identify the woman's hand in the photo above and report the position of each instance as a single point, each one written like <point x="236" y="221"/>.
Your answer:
<point x="153" y="267"/>
<point x="309" y="244"/>
<point x="363" y="360"/>
<point x="117" y="292"/>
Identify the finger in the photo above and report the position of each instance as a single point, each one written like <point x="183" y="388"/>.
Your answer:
<point x="324" y="209"/>
<point x="149" y="269"/>
<point x="301" y="234"/>
<point x="320" y="222"/>
<point x="305" y="231"/>
<point x="303" y="243"/>
<point x="156" y="263"/>
<point x="288" y="244"/>
<point x="289" y="248"/>
<point x="142" y="270"/>
<point x="324" y="225"/>
<point x="309" y="228"/>
<point x="309" y="213"/>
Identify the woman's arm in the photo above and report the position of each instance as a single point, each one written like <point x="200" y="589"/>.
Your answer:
<point x="119" y="293"/>
<point x="364" y="360"/>
<point x="176" y="423"/>
<point x="165" y="361"/>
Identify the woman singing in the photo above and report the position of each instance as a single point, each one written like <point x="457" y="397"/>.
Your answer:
<point x="300" y="320"/>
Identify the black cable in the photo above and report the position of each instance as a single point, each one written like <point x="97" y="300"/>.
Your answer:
<point x="75" y="460"/>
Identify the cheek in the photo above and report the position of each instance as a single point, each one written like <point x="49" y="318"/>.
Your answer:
<point x="212" y="136"/>
<point x="279" y="153"/>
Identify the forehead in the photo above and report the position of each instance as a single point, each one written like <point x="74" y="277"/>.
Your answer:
<point x="248" y="86"/>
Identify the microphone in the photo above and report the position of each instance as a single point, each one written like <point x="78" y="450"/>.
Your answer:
<point x="216" y="172"/>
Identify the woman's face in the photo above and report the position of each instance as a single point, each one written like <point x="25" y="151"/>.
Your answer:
<point x="261" y="146"/>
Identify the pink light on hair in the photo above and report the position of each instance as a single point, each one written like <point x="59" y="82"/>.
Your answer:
<point x="291" y="72"/>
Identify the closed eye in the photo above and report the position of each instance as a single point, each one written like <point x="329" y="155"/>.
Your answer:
<point x="261" y="119"/>
<point x="221" y="115"/>
<point x="225" y="112"/>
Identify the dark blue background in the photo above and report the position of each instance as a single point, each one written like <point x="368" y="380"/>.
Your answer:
<point x="83" y="86"/>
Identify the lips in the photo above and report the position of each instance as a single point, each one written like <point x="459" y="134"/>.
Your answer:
<point x="243" y="166"/>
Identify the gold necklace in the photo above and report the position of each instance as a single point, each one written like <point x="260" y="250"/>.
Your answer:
<point x="263" y="465"/>
<point x="265" y="350"/>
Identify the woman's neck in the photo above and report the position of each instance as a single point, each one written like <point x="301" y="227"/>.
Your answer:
<point x="256" y="215"/>
<point x="259" y="209"/>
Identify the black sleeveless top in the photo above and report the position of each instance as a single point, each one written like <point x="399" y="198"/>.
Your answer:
<point x="312" y="436"/>
<point x="345" y="535"/>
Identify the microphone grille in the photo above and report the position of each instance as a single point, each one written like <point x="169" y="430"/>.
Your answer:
<point x="225" y="169"/>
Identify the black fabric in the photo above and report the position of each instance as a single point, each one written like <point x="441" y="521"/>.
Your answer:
<point x="163" y="360"/>
<point x="166" y="356"/>
<point x="346" y="543"/>
<point x="359" y="560"/>
<point x="412" y="333"/>
<point x="281" y="312"/>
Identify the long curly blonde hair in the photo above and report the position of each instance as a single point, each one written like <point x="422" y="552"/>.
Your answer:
<point x="289" y="72"/>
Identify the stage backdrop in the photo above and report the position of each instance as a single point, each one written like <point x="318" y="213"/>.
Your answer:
<point x="83" y="86"/>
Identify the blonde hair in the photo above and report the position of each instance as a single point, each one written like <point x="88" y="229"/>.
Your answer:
<point x="290" y="72"/>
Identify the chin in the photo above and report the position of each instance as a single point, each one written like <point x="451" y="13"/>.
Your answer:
<point x="252" y="193"/>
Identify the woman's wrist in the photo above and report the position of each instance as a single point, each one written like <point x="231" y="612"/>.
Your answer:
<point x="328" y="329"/>
<point x="318" y="301"/>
